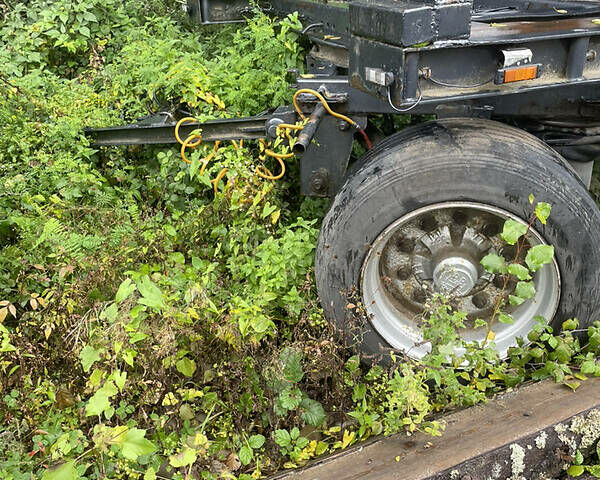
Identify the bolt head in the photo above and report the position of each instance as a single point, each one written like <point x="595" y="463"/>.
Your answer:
<point x="343" y="126"/>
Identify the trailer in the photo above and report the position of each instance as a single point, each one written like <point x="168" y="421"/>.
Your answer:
<point x="514" y="87"/>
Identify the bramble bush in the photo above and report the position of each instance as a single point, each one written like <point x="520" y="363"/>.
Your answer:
<point x="152" y="325"/>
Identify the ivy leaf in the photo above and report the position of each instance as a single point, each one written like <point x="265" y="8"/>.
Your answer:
<point x="493" y="263"/>
<point x="538" y="256"/>
<point x="575" y="470"/>
<point x="110" y="313"/>
<point x="290" y="398"/>
<point x="97" y="404"/>
<point x="184" y="458"/>
<point x="66" y="471"/>
<point x="519" y="271"/>
<point x="119" y="378"/>
<point x="312" y="412"/>
<point x="245" y="455"/>
<point x="256" y="441"/>
<point x="542" y="211"/>
<point x="151" y="294"/>
<point x="89" y="355"/>
<point x="135" y="445"/>
<point x="525" y="290"/>
<point x="512" y="231"/>
<point x="505" y="318"/>
<point x="125" y="290"/>
<point x="186" y="366"/>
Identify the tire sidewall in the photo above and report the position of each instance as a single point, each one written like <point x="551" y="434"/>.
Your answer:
<point x="446" y="161"/>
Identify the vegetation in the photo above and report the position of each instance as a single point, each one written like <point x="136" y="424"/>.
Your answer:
<point x="155" y="324"/>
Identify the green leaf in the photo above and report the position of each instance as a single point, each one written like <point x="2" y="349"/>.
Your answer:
<point x="563" y="353"/>
<point x="150" y="474"/>
<point x="135" y="445"/>
<point x="119" y="378"/>
<point x="66" y="471"/>
<point x="588" y="367"/>
<point x="513" y="300"/>
<point x="594" y="470"/>
<point x="552" y="341"/>
<point x="525" y="290"/>
<point x="519" y="271"/>
<point x="570" y="324"/>
<point x="184" y="458"/>
<point x="89" y="355"/>
<point x="493" y="263"/>
<point x="505" y="318"/>
<point x="512" y="231"/>
<point x="312" y="412"/>
<point x="292" y="366"/>
<point x="97" y="404"/>
<point x="186" y="366"/>
<point x="531" y="198"/>
<point x="572" y="385"/>
<point x="575" y="470"/>
<point x="151" y="294"/>
<point x="578" y="458"/>
<point x="125" y="290"/>
<point x="301" y="442"/>
<point x="290" y="398"/>
<point x="194" y="166"/>
<point x="539" y="256"/>
<point x="256" y="441"/>
<point x="542" y="211"/>
<point x="110" y="313"/>
<point x="282" y="438"/>
<point x="245" y="455"/>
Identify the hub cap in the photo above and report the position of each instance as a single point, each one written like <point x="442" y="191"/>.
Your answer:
<point x="438" y="249"/>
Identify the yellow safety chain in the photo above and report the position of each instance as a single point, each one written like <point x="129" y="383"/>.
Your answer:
<point x="195" y="139"/>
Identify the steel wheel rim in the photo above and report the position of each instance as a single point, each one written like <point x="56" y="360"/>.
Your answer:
<point x="396" y="280"/>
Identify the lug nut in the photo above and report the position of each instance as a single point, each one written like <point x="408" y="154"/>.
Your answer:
<point x="406" y="245"/>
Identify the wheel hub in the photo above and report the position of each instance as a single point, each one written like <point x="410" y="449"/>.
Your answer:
<point x="439" y="249"/>
<point x="455" y="276"/>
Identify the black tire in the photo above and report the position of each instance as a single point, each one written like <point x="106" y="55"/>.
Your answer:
<point x="460" y="160"/>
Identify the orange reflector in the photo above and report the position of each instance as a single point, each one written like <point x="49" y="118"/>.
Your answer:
<point x="520" y="73"/>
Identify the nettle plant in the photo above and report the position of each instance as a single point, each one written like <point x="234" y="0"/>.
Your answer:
<point x="515" y="233"/>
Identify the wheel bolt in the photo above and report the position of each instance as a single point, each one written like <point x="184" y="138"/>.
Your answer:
<point x="428" y="223"/>
<point x="459" y="217"/>
<point x="406" y="245"/>
<point x="491" y="229"/>
<point x="404" y="272"/>
<point x="498" y="281"/>
<point x="419" y="296"/>
<point x="509" y="253"/>
<point x="480" y="300"/>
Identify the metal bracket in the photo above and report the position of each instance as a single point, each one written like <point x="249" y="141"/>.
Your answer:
<point x="323" y="165"/>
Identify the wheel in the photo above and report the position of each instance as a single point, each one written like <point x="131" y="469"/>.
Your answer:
<point x="424" y="208"/>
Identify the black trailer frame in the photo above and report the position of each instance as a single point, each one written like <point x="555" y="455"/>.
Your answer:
<point x="448" y="58"/>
